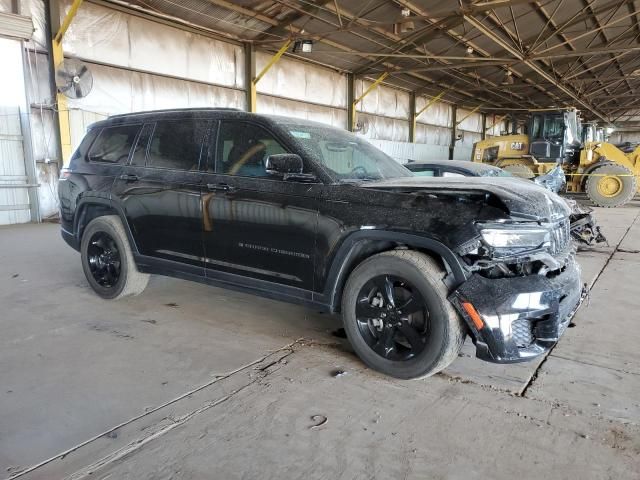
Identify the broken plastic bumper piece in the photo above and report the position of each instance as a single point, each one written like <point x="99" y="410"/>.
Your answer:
<point x="521" y="317"/>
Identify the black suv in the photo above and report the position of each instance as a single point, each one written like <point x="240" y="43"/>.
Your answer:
<point x="298" y="211"/>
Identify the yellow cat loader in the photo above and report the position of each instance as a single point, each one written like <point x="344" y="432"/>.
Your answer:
<point x="555" y="137"/>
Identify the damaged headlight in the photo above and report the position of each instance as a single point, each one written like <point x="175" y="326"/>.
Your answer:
<point x="508" y="239"/>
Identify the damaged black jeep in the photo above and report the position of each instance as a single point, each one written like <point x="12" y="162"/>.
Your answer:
<point x="301" y="212"/>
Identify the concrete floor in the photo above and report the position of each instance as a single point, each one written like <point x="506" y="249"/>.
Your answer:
<point x="189" y="381"/>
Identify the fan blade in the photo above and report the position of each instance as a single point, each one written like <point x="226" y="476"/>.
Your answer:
<point x="78" y="91"/>
<point x="82" y="71"/>
<point x="64" y="74"/>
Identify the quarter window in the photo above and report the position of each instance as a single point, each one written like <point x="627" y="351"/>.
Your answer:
<point x="114" y="144"/>
<point x="82" y="149"/>
<point x="243" y="149"/>
<point x="176" y="144"/>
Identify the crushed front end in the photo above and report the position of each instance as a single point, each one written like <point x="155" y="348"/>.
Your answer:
<point x="523" y="289"/>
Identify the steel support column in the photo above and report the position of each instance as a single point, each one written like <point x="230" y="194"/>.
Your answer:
<point x="454" y="124"/>
<point x="483" y="135"/>
<point x="351" y="106"/>
<point x="249" y="75"/>
<point x="57" y="57"/>
<point x="412" y="117"/>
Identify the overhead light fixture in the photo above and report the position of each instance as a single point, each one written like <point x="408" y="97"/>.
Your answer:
<point x="404" y="26"/>
<point x="469" y="51"/>
<point x="303" y="46"/>
<point x="508" y="78"/>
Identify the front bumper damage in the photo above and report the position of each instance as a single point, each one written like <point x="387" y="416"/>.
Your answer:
<point x="521" y="317"/>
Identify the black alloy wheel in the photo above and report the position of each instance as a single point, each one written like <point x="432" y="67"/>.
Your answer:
<point x="392" y="318"/>
<point x="104" y="259"/>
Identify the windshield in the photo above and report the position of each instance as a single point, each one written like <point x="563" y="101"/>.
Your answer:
<point x="554" y="128"/>
<point x="347" y="156"/>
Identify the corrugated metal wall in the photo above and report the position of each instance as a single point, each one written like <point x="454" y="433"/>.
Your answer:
<point x="622" y="137"/>
<point x="14" y="201"/>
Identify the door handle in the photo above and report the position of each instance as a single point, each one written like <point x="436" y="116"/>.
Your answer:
<point x="129" y="178"/>
<point x="220" y="187"/>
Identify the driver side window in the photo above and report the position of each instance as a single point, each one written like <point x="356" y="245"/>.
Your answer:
<point x="243" y="149"/>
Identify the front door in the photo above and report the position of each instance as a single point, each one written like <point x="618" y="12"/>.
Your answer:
<point x="160" y="191"/>
<point x="256" y="225"/>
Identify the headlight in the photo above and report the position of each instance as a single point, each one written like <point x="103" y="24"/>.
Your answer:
<point x="510" y="239"/>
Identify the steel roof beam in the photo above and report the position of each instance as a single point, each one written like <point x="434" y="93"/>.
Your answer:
<point x="531" y="64"/>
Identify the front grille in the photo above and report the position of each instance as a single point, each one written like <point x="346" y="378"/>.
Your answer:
<point x="560" y="237"/>
<point x="521" y="332"/>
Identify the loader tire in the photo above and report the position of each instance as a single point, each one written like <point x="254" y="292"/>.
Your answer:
<point x="611" y="186"/>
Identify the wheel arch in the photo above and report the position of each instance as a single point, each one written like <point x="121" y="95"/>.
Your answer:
<point x="89" y="208"/>
<point x="365" y="243"/>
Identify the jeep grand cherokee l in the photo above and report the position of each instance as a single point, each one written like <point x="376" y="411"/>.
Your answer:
<point x="298" y="211"/>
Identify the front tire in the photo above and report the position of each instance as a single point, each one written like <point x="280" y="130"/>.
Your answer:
<point x="397" y="316"/>
<point x="107" y="259"/>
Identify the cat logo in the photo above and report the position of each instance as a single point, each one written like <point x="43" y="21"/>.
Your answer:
<point x="517" y="146"/>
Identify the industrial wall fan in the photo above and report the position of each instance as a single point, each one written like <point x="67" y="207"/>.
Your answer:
<point x="74" y="79"/>
<point x="362" y="126"/>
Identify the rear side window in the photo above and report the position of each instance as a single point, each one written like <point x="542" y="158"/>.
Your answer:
<point x="113" y="144"/>
<point x="83" y="148"/>
<point x="176" y="144"/>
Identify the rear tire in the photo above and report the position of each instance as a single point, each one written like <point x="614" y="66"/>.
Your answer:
<point x="107" y="259"/>
<point x="611" y="185"/>
<point x="436" y="332"/>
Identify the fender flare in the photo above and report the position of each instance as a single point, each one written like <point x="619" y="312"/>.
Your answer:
<point x="339" y="270"/>
<point x="88" y="200"/>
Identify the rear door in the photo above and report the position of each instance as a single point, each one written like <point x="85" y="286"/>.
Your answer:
<point x="107" y="156"/>
<point x="160" y="192"/>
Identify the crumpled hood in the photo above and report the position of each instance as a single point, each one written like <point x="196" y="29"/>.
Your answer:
<point x="522" y="198"/>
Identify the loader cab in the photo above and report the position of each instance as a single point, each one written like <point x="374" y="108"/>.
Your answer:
<point x="592" y="133"/>
<point x="588" y="133"/>
<point x="553" y="135"/>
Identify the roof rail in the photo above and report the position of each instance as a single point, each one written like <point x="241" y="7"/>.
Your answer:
<point x="166" y="110"/>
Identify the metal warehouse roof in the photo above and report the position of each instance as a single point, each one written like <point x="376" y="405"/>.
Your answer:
<point x="500" y="54"/>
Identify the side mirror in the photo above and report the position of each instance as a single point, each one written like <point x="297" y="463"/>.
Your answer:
<point x="283" y="164"/>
